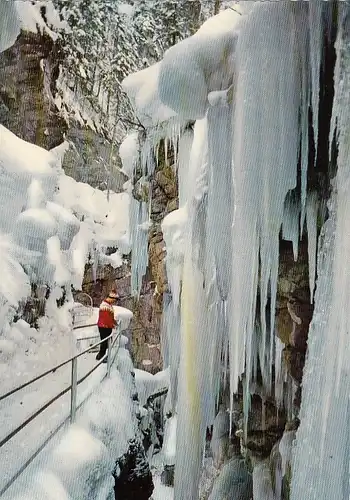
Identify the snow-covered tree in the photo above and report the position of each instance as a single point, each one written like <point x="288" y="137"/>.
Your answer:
<point x="159" y="24"/>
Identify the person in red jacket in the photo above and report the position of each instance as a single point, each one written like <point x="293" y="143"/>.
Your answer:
<point x="106" y="321"/>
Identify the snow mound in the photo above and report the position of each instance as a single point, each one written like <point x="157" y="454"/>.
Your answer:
<point x="129" y="151"/>
<point x="105" y="215"/>
<point x="80" y="464"/>
<point x="142" y="90"/>
<point x="148" y="384"/>
<point x="199" y="65"/>
<point x="77" y="455"/>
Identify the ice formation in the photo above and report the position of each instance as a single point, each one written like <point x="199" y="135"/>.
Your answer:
<point x="9" y="25"/>
<point x="324" y="432"/>
<point x="169" y="446"/>
<point x="243" y="183"/>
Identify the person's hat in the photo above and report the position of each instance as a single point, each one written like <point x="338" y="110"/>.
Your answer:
<point x="113" y="295"/>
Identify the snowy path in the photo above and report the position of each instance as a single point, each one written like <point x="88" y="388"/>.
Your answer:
<point x="15" y="409"/>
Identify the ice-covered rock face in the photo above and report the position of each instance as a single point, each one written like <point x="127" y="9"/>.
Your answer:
<point x="38" y="203"/>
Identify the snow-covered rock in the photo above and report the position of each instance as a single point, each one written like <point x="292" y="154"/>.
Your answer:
<point x="199" y="65"/>
<point x="129" y="151"/>
<point x="233" y="483"/>
<point x="142" y="89"/>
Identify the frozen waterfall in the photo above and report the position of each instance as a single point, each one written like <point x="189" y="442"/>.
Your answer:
<point x="250" y="81"/>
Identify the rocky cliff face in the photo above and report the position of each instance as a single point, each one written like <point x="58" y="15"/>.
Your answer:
<point x="146" y="329"/>
<point x="28" y="74"/>
<point x="93" y="159"/>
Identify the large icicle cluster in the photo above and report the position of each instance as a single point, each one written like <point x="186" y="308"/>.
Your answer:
<point x="324" y="433"/>
<point x="250" y="82"/>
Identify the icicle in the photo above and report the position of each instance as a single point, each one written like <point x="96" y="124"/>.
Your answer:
<point x="316" y="34"/>
<point x="265" y="147"/>
<point x="195" y="401"/>
<point x="166" y="151"/>
<point x="189" y="440"/>
<point x="185" y="145"/>
<point x="304" y="118"/>
<point x="290" y="228"/>
<point x="311" y="221"/>
<point x="326" y="381"/>
<point x="10" y="25"/>
<point x="278" y="373"/>
<point x="139" y="238"/>
<point x="219" y="188"/>
<point x="262" y="486"/>
<point x="285" y="449"/>
<point x="170" y="336"/>
<point x="246" y="407"/>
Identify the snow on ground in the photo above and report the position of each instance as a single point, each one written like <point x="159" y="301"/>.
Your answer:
<point x="15" y="409"/>
<point x="78" y="462"/>
<point x="52" y="345"/>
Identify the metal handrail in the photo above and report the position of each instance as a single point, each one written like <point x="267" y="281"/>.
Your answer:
<point x="75" y="382"/>
<point x="33" y="416"/>
<point x="41" y="447"/>
<point x="90" y="298"/>
<point x="80" y="339"/>
<point x="72" y="387"/>
<point x="52" y="370"/>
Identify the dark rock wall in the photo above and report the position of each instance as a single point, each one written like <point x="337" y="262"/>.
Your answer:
<point x="28" y="74"/>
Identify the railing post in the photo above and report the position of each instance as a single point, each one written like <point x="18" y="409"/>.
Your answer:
<point x="73" y="398"/>
<point x="109" y="357"/>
